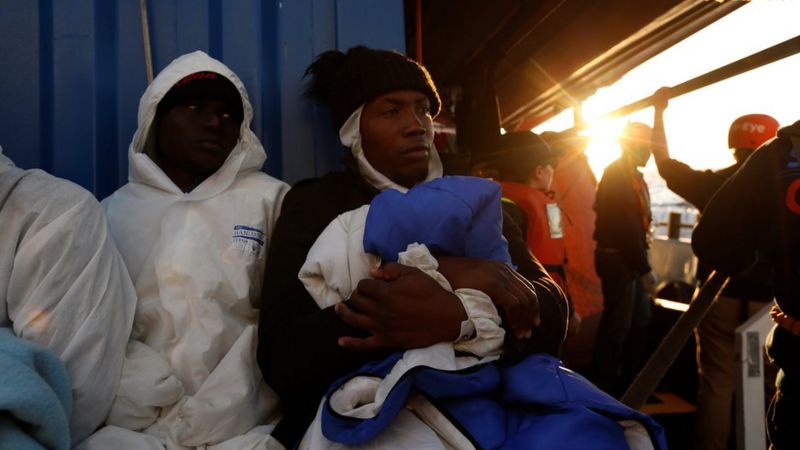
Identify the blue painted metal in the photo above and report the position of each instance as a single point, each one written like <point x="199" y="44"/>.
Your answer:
<point x="73" y="71"/>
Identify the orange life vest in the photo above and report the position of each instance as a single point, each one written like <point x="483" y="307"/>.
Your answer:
<point x="543" y="236"/>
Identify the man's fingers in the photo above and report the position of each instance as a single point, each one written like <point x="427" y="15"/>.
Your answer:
<point x="531" y="300"/>
<point x="527" y="304"/>
<point x="391" y="271"/>
<point x="354" y="319"/>
<point x="373" y="289"/>
<point x="362" y="321"/>
<point x="661" y="98"/>
<point x="521" y="279"/>
<point x="367" y="344"/>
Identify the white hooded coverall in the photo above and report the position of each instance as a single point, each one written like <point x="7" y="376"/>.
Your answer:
<point x="63" y="285"/>
<point x="197" y="261"/>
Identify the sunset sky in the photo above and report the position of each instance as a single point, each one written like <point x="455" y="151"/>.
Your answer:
<point x="697" y="123"/>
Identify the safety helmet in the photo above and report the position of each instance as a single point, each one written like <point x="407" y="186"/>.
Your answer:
<point x="751" y="131"/>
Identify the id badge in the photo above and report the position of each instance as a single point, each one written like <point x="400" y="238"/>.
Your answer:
<point x="554" y="221"/>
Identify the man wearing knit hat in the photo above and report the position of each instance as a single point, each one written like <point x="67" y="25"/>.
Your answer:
<point x="382" y="105"/>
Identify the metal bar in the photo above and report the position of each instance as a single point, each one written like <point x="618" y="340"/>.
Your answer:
<point x="148" y="57"/>
<point x="676" y="25"/>
<point x="661" y="360"/>
<point x="769" y="55"/>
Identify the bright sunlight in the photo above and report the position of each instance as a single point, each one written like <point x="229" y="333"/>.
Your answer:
<point x="697" y="123"/>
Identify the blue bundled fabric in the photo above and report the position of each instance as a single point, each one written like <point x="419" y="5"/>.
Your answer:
<point x="452" y="215"/>
<point x="534" y="404"/>
<point x="35" y="396"/>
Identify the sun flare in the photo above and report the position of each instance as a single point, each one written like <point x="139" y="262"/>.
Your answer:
<point x="697" y="123"/>
<point x="603" y="147"/>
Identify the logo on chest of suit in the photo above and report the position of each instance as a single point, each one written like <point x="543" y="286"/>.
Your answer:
<point x="248" y="240"/>
<point x="791" y="177"/>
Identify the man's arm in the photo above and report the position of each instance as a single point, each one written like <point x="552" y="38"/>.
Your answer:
<point x="695" y="186"/>
<point x="389" y="307"/>
<point x="658" y="139"/>
<point x="69" y="290"/>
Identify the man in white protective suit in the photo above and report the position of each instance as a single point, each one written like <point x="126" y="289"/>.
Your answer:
<point x="64" y="286"/>
<point x="193" y="225"/>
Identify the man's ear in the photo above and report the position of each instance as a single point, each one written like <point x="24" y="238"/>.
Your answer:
<point x="538" y="172"/>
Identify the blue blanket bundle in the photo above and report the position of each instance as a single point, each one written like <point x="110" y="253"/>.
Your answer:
<point x="453" y="215"/>
<point x="534" y="404"/>
<point x="35" y="396"/>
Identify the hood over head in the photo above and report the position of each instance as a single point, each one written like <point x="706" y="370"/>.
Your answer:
<point x="350" y="137"/>
<point x="5" y="162"/>
<point x="789" y="131"/>
<point x="248" y="154"/>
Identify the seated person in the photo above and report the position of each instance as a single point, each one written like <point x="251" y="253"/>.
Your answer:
<point x="63" y="285"/>
<point x="382" y="105"/>
<point x="192" y="226"/>
<point x="446" y="216"/>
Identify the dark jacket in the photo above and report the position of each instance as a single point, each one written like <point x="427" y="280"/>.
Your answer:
<point x="697" y="187"/>
<point x="752" y="225"/>
<point x="298" y="351"/>
<point x="621" y="215"/>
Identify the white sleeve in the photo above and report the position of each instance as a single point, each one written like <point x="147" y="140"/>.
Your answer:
<point x="69" y="290"/>
<point x="483" y="315"/>
<point x="337" y="262"/>
<point x="230" y="402"/>
<point x="147" y="385"/>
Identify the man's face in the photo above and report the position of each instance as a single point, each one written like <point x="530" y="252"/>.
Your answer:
<point x="397" y="135"/>
<point x="545" y="174"/>
<point x="197" y="135"/>
<point x="635" y="142"/>
<point x="639" y="154"/>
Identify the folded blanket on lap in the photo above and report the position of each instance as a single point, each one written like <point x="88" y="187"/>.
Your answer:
<point x="534" y="404"/>
<point x="35" y="396"/>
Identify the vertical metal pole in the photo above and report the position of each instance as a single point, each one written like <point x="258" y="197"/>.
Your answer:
<point x="148" y="57"/>
<point x="418" y="14"/>
<point x="674" y="225"/>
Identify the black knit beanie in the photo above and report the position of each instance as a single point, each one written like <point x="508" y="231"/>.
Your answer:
<point x="517" y="155"/>
<point x="203" y="85"/>
<point x="346" y="81"/>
